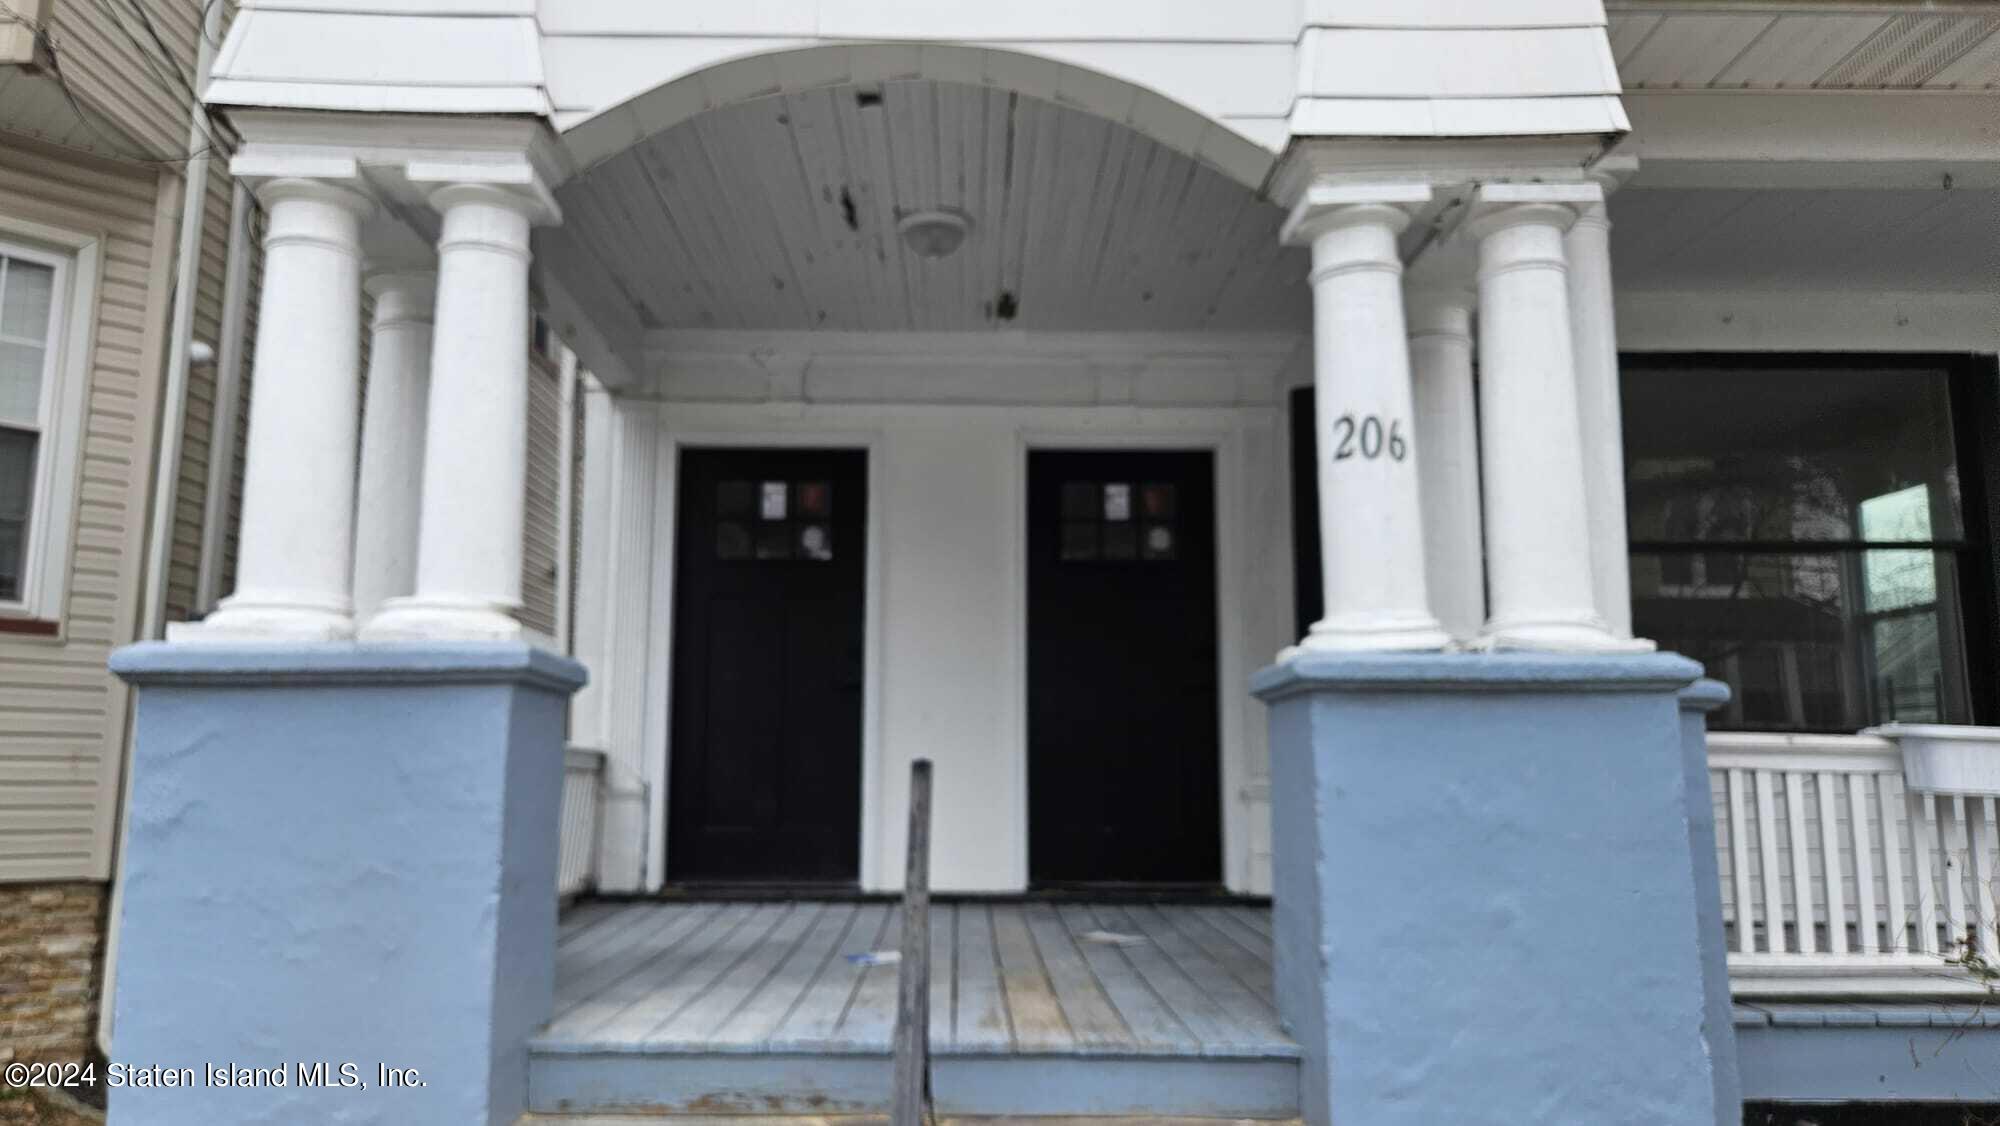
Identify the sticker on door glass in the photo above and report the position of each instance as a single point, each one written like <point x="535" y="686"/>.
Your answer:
<point x="1117" y="501"/>
<point x="815" y="542"/>
<point x="814" y="499"/>
<point x="771" y="500"/>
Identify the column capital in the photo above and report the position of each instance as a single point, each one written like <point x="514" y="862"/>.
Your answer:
<point x="532" y="201"/>
<point x="1612" y="172"/>
<point x="1498" y="206"/>
<point x="1329" y="206"/>
<point x="1439" y="310"/>
<point x="342" y="192"/>
<point x="403" y="294"/>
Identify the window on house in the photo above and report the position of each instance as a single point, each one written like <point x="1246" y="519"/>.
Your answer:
<point x="29" y="319"/>
<point x="1797" y="528"/>
<point x="45" y="273"/>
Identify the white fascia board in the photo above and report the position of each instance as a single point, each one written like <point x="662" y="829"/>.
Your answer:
<point x="375" y="61"/>
<point x="1798" y="320"/>
<point x="406" y="7"/>
<point x="1594" y="115"/>
<point x="1453" y="13"/>
<point x="1769" y="127"/>
<point x="1457" y="63"/>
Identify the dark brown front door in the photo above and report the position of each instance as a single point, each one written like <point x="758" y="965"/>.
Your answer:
<point x="769" y="585"/>
<point x="1123" y="762"/>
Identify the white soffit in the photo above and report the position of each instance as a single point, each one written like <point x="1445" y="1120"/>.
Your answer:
<point x="1706" y="45"/>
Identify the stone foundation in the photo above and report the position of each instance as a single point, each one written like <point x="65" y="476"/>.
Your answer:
<point x="51" y="942"/>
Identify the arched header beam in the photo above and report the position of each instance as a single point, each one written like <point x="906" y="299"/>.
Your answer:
<point x="728" y="81"/>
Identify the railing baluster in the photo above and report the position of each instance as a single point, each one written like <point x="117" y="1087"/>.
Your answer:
<point x="1831" y="867"/>
<point x="1767" y="849"/>
<point x="1954" y="871"/>
<point x="1893" y="836"/>
<point x="1923" y="849"/>
<point x="1981" y="847"/>
<point x="1739" y="864"/>
<point x="1864" y="861"/>
<point x="1802" y="895"/>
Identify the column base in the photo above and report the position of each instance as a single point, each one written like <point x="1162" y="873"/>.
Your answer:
<point x="1360" y="633"/>
<point x="1483" y="903"/>
<point x="339" y="854"/>
<point x="1582" y="633"/>
<point x="239" y="619"/>
<point x="433" y="619"/>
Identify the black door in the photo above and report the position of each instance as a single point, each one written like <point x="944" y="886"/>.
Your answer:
<point x="1123" y="766"/>
<point x="768" y="590"/>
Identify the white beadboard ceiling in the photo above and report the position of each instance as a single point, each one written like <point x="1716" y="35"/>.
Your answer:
<point x="780" y="213"/>
<point x="1786" y="46"/>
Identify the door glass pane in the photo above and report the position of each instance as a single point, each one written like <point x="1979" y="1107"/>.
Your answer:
<point x="1786" y="454"/>
<point x="733" y="498"/>
<point x="17" y="487"/>
<point x="1829" y="641"/>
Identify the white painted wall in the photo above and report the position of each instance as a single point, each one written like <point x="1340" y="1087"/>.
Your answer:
<point x="946" y="647"/>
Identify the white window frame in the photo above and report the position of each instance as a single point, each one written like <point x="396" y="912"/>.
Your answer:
<point x="45" y="558"/>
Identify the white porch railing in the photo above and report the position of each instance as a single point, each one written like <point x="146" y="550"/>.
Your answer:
<point x="582" y="794"/>
<point x="1837" y="878"/>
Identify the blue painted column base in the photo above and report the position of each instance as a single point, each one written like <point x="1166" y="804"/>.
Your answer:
<point x="1485" y="907"/>
<point x="339" y="859"/>
<point x="1718" y="1017"/>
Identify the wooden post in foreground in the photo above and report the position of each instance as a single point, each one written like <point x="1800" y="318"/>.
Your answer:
<point x="913" y="1007"/>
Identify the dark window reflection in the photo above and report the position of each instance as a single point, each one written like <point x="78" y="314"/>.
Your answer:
<point x="1841" y="607"/>
<point x="17" y="483"/>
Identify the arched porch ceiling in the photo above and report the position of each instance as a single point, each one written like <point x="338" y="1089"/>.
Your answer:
<point x="780" y="213"/>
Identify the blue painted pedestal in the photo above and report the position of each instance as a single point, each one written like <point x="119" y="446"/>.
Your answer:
<point x="1718" y="1019"/>
<point x="338" y="855"/>
<point x="1485" y="909"/>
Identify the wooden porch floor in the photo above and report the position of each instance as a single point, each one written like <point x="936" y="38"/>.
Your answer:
<point x="1005" y="977"/>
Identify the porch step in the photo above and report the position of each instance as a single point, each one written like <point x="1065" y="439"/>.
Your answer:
<point x="872" y="1120"/>
<point x="711" y="1083"/>
<point x="1037" y="1010"/>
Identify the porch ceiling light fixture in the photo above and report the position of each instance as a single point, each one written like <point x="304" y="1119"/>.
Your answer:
<point x="933" y="234"/>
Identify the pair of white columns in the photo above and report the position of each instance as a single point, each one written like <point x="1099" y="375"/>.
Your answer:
<point x="1411" y="497"/>
<point x="434" y="549"/>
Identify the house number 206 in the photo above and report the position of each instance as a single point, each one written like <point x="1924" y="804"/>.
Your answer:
<point x="1369" y="438"/>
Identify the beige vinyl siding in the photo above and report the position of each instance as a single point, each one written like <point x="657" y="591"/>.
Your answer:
<point x="191" y="495"/>
<point x="62" y="715"/>
<point x="114" y="67"/>
<point x="540" y="530"/>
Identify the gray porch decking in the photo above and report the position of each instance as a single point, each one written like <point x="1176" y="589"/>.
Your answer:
<point x="756" y="1006"/>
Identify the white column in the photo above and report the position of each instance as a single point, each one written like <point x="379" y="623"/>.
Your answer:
<point x="1371" y="533"/>
<point x="1594" y="336"/>
<point x="392" y="438"/>
<point x="475" y="449"/>
<point x="1448" y="469"/>
<point x="294" y="550"/>
<point x="1537" y="519"/>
